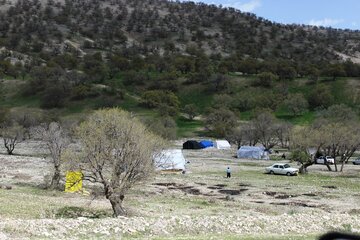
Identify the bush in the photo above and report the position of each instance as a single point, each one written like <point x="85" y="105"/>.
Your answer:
<point x="158" y="98"/>
<point x="75" y="212"/>
<point x="54" y="97"/>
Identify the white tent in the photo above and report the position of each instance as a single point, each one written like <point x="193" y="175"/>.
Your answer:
<point x="171" y="159"/>
<point x="222" y="144"/>
<point x="252" y="153"/>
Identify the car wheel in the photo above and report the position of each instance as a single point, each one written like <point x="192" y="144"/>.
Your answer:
<point x="271" y="172"/>
<point x="288" y="174"/>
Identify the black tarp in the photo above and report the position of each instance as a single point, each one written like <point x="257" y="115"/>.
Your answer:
<point x="191" y="144"/>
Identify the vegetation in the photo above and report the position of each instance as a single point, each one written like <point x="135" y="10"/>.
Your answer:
<point x="117" y="152"/>
<point x="180" y="69"/>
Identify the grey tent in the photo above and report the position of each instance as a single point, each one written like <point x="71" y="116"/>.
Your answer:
<point x="252" y="152"/>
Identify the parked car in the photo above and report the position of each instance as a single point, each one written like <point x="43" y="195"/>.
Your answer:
<point x="356" y="161"/>
<point x="324" y="159"/>
<point x="282" y="168"/>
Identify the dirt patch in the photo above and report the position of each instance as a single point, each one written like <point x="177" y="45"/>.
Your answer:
<point x="279" y="195"/>
<point x="354" y="212"/>
<point x="22" y="176"/>
<point x="244" y="185"/>
<point x="285" y="196"/>
<point x="217" y="186"/>
<point x="181" y="187"/>
<point x="310" y="194"/>
<point x="220" y="185"/>
<point x="232" y="192"/>
<point x="200" y="183"/>
<point x="301" y="204"/>
<point x="186" y="189"/>
<point x="165" y="184"/>
<point x="270" y="193"/>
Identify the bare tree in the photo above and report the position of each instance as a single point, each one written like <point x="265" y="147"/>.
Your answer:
<point x="245" y="134"/>
<point x="342" y="141"/>
<point x="334" y="139"/>
<point x="305" y="142"/>
<point x="12" y="134"/>
<point x="117" y="151"/>
<point x="28" y="118"/>
<point x="265" y="127"/>
<point x="55" y="139"/>
<point x="282" y="132"/>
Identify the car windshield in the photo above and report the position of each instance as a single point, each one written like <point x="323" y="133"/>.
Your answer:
<point x="286" y="166"/>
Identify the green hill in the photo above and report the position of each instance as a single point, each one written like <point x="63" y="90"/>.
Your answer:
<point x="158" y="59"/>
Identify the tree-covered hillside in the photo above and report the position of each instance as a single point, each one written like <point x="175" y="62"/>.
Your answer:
<point x="173" y="60"/>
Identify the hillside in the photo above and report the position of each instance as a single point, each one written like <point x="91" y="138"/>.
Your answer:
<point x="74" y="56"/>
<point x="154" y="27"/>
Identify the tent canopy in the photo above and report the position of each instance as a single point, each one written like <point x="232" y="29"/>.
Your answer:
<point x="191" y="144"/>
<point x="222" y="144"/>
<point x="171" y="159"/>
<point x="206" y="143"/>
<point x="252" y="152"/>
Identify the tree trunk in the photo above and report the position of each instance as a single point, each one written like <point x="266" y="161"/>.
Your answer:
<point x="9" y="146"/>
<point x="342" y="166"/>
<point x="328" y="166"/>
<point x="304" y="166"/>
<point x="116" y="204"/>
<point x="55" y="181"/>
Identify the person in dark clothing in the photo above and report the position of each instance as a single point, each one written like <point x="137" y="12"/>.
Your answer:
<point x="283" y="156"/>
<point x="228" y="173"/>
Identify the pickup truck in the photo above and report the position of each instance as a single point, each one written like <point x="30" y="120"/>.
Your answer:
<point x="325" y="159"/>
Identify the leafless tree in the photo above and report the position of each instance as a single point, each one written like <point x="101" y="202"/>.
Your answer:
<point x="56" y="140"/>
<point x="282" y="132"/>
<point x="245" y="134"/>
<point x="334" y="139"/>
<point x="117" y="151"/>
<point x="305" y="142"/>
<point x="265" y="127"/>
<point x="12" y="134"/>
<point x="341" y="141"/>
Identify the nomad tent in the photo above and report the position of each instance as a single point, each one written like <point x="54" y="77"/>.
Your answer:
<point x="171" y="159"/>
<point x="222" y="144"/>
<point x="191" y="144"/>
<point x="252" y="152"/>
<point x="206" y="143"/>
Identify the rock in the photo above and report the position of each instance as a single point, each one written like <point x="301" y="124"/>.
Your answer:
<point x="6" y="187"/>
<point x="3" y="236"/>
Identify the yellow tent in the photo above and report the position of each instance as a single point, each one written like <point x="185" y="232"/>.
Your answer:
<point x="73" y="182"/>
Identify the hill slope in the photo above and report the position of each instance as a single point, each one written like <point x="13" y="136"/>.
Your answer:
<point x="74" y="56"/>
<point x="156" y="26"/>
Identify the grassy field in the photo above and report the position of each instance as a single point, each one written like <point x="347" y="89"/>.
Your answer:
<point x="201" y="204"/>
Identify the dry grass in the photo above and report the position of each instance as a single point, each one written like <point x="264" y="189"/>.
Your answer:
<point x="202" y="204"/>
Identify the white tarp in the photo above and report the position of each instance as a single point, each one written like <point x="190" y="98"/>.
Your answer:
<point x="252" y="152"/>
<point x="171" y="159"/>
<point x="222" y="144"/>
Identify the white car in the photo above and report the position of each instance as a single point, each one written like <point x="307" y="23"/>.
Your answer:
<point x="356" y="161"/>
<point x="282" y="168"/>
<point x="322" y="159"/>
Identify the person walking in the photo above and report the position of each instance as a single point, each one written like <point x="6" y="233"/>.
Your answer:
<point x="228" y="172"/>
